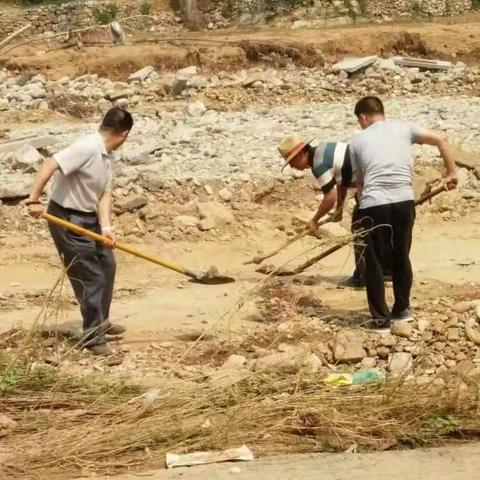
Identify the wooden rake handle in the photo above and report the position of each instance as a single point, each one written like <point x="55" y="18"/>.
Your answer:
<point x="120" y="246"/>
<point x="299" y="236"/>
<point x="285" y="273"/>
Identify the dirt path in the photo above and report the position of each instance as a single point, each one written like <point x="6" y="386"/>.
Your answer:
<point x="219" y="50"/>
<point x="453" y="463"/>
<point x="156" y="304"/>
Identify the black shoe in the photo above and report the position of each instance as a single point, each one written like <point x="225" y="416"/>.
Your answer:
<point x="352" y="282"/>
<point x="381" y="325"/>
<point x="404" y="316"/>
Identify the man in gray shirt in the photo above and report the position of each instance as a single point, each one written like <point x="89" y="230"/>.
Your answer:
<point x="80" y="194"/>
<point x="382" y="162"/>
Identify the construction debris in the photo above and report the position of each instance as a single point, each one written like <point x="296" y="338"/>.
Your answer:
<point x="203" y="458"/>
<point x="423" y="63"/>
<point x="351" y="65"/>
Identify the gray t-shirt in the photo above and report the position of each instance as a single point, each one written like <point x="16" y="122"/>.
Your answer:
<point x="382" y="153"/>
<point x="85" y="174"/>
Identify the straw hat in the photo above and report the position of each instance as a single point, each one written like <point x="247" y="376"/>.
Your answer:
<point x="291" y="146"/>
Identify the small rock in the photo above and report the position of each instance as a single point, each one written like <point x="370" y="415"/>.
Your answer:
<point x="183" y="222"/>
<point x="196" y="109"/>
<point x="453" y="334"/>
<point x="188" y="71"/>
<point x="7" y="425"/>
<point x="348" y="350"/>
<point x="312" y="363"/>
<point x="369" y="362"/>
<point x="277" y="362"/>
<point x="134" y="202"/>
<point x="225" y="195"/>
<point x="424" y="325"/>
<point x="234" y="362"/>
<point x="141" y="75"/>
<point x="28" y="159"/>
<point x="464" y="306"/>
<point x="472" y="333"/>
<point x="213" y="215"/>
<point x="208" y="189"/>
<point x="387" y="340"/>
<point x="383" y="352"/>
<point x="477" y="312"/>
<point x="400" y="363"/>
<point x="4" y="105"/>
<point x="402" y="329"/>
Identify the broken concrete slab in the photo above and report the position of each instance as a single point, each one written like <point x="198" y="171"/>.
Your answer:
<point x="422" y="63"/>
<point x="28" y="159"/>
<point x="13" y="145"/>
<point x="351" y="65"/>
<point x="141" y="75"/>
<point x="15" y="186"/>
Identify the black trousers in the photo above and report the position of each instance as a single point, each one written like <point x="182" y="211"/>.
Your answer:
<point x="359" y="250"/>
<point x="90" y="268"/>
<point x="388" y="225"/>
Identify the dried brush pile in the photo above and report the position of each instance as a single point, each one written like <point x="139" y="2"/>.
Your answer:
<point x="70" y="423"/>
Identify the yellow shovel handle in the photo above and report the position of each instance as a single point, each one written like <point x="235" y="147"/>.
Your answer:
<point x="121" y="246"/>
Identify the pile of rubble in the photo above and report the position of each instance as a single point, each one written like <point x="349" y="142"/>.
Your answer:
<point x="198" y="158"/>
<point x="265" y="85"/>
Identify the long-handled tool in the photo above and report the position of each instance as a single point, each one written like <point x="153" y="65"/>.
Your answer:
<point x="211" y="277"/>
<point x="299" y="236"/>
<point x="269" y="270"/>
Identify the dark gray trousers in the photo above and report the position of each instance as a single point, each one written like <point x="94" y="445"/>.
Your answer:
<point x="90" y="267"/>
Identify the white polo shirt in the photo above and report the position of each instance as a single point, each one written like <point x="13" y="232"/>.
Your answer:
<point x="85" y="174"/>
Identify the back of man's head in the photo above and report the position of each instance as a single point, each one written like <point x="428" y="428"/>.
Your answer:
<point x="117" y="120"/>
<point x="369" y="106"/>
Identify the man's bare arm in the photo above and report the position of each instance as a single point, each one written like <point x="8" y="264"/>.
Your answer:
<point x="447" y="152"/>
<point x="48" y="167"/>
<point x="104" y="212"/>
<point x="327" y="203"/>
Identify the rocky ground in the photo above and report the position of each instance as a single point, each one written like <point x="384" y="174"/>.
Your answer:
<point x="200" y="180"/>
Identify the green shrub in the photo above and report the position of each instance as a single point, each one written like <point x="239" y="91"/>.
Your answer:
<point x="145" y="8"/>
<point x="107" y="14"/>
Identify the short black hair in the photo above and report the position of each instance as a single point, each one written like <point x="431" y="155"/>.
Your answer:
<point x="369" y="106"/>
<point x="117" y="120"/>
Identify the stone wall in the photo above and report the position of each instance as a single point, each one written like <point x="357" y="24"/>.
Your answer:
<point x="403" y="8"/>
<point x="341" y="9"/>
<point x="60" y="17"/>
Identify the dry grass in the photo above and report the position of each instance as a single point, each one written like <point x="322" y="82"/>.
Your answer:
<point x="71" y="423"/>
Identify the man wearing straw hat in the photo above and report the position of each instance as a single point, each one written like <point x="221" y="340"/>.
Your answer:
<point x="80" y="194"/>
<point x="332" y="167"/>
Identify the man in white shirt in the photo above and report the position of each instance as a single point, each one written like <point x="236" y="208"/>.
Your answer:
<point x="382" y="163"/>
<point x="80" y="194"/>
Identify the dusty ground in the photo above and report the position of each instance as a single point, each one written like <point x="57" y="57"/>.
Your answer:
<point x="163" y="311"/>
<point x="158" y="305"/>
<point x="453" y="463"/>
<point x="220" y="50"/>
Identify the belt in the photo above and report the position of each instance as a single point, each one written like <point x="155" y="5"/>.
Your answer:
<point x="72" y="211"/>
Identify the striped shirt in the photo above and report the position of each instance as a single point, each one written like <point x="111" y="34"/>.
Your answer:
<point x="331" y="165"/>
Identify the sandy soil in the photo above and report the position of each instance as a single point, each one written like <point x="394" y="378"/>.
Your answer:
<point x="156" y="304"/>
<point x="453" y="463"/>
<point x="214" y="50"/>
